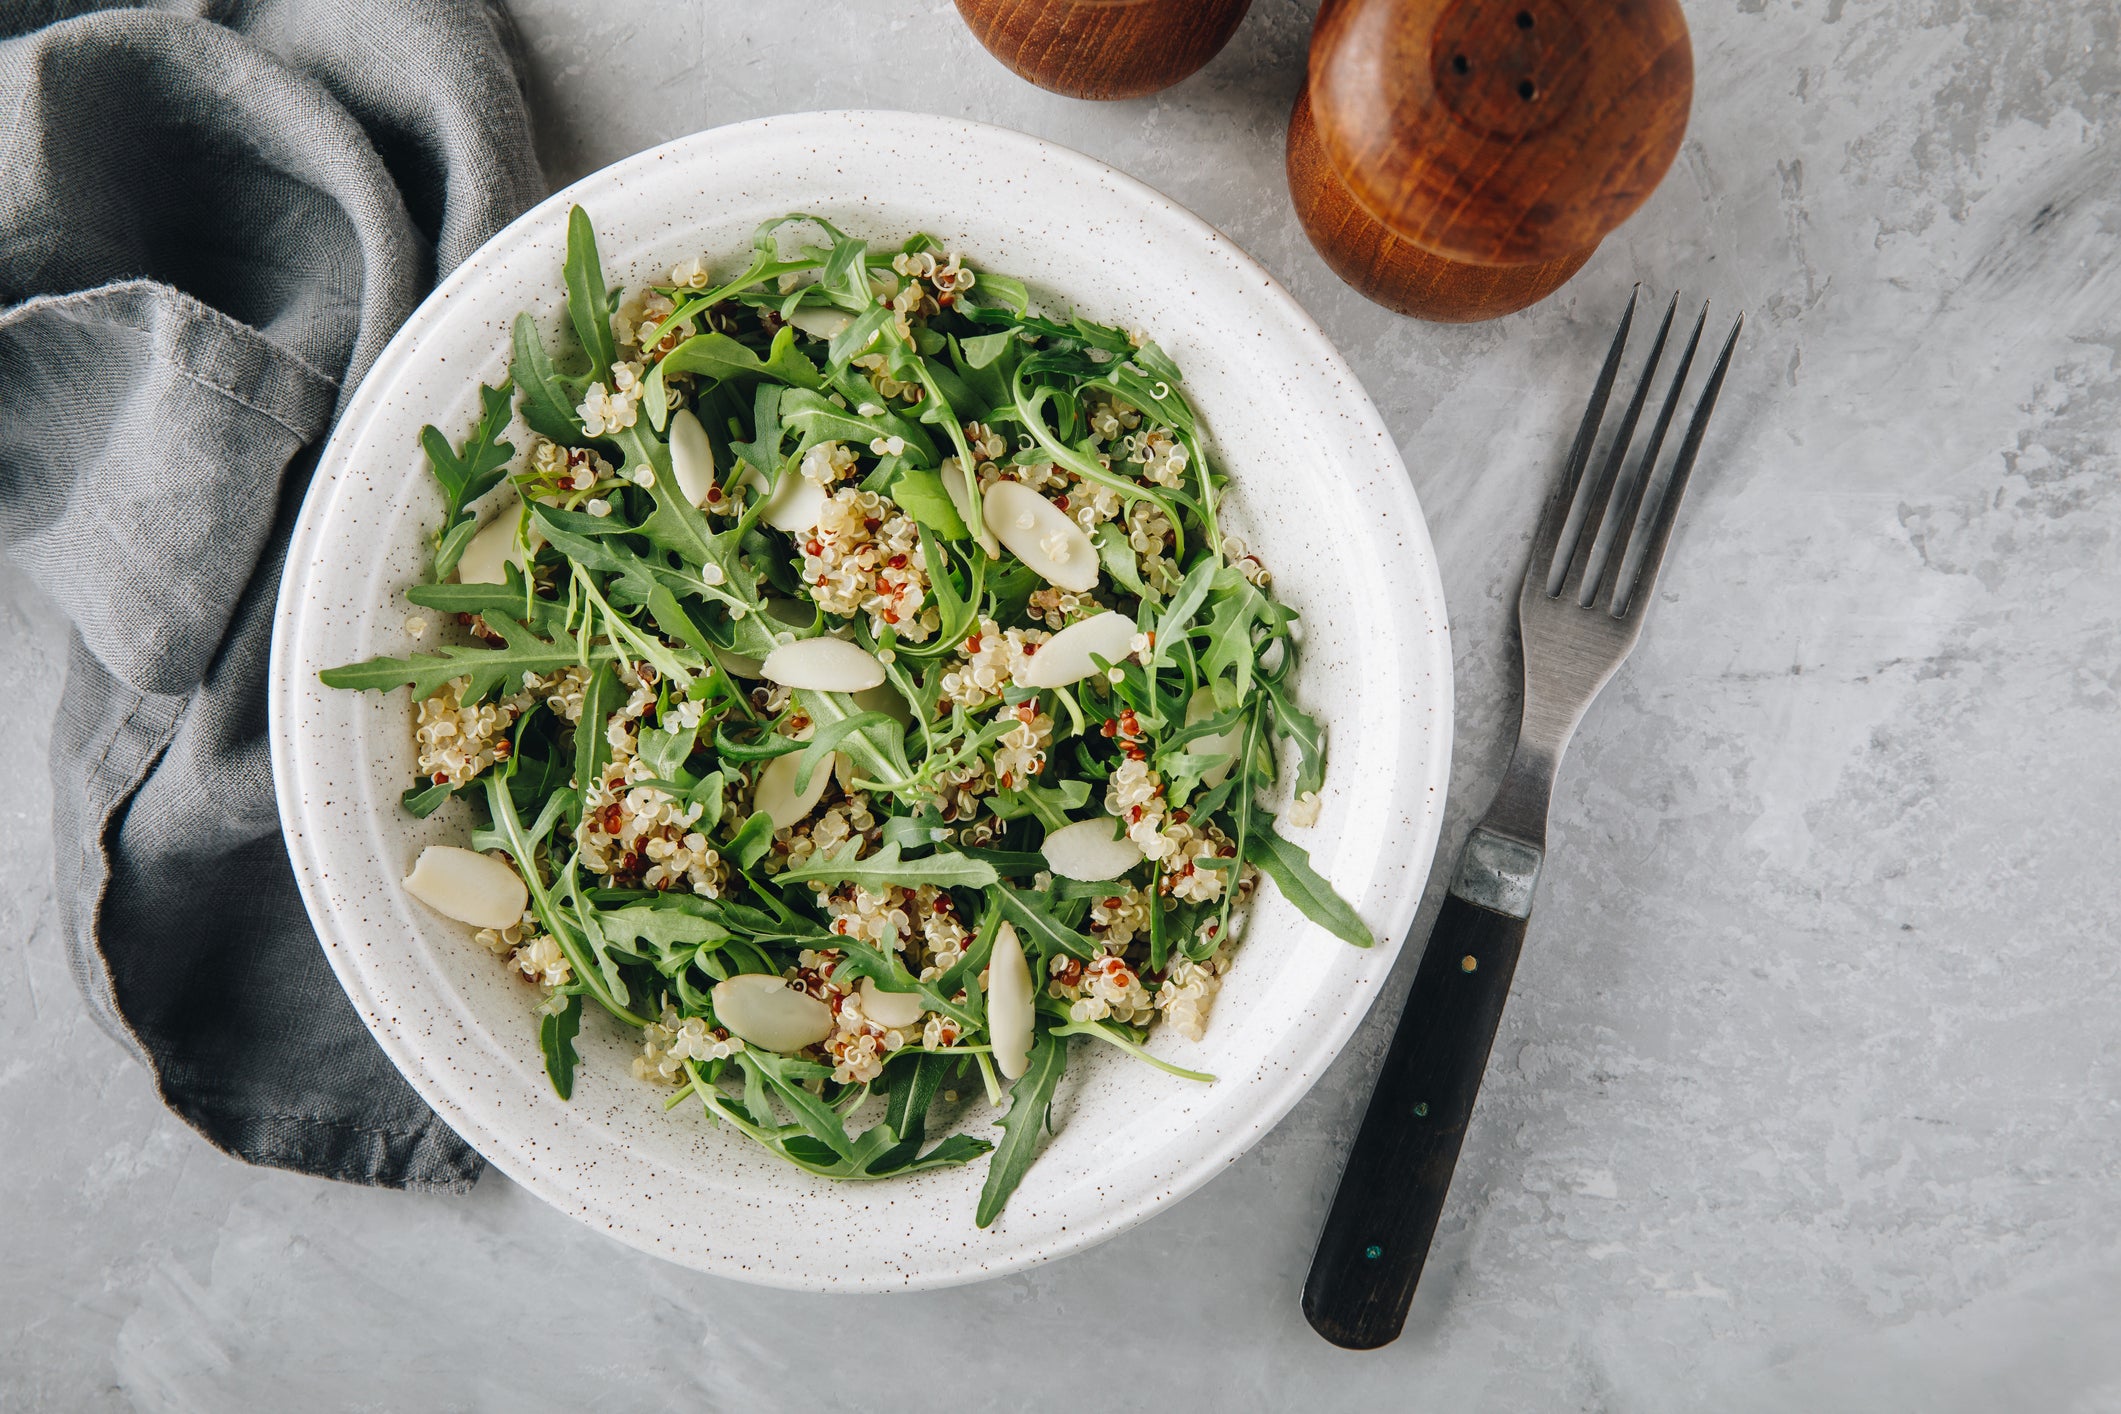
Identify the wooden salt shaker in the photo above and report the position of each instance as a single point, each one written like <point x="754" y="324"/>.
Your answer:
<point x="1460" y="159"/>
<point x="1104" y="48"/>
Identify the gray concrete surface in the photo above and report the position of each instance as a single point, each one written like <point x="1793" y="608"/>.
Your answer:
<point x="1810" y="1094"/>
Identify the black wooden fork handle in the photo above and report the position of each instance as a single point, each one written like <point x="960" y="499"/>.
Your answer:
<point x="1391" y="1194"/>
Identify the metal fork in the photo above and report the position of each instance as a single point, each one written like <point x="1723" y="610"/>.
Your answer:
<point x="1578" y="615"/>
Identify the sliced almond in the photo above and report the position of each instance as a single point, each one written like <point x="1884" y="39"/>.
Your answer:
<point x="795" y="504"/>
<point x="776" y="793"/>
<point x="954" y="483"/>
<point x="822" y="665"/>
<point x="1222" y="743"/>
<point x="691" y="457"/>
<point x="1009" y="1009"/>
<point x="769" y="1013"/>
<point x="1040" y="534"/>
<point x="820" y="321"/>
<point x="467" y="886"/>
<point x="1066" y="657"/>
<point x="894" y="1009"/>
<point x="494" y="547"/>
<point x="1091" y="851"/>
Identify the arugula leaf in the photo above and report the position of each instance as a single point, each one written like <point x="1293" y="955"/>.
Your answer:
<point x="706" y="793"/>
<point x="764" y="749"/>
<point x="985" y="364"/>
<point x="664" y="749"/>
<point x="522" y="847"/>
<point x="467" y="473"/>
<point x="878" y="752"/>
<point x="451" y="543"/>
<point x="913" y="1092"/>
<point x="556" y="1033"/>
<point x="1154" y="393"/>
<point x="818" y="1118"/>
<point x="523" y="651"/>
<point x="537" y="774"/>
<point x="671" y="618"/>
<point x="944" y="869"/>
<point x="601" y="696"/>
<point x="597" y="543"/>
<point x="859" y="959"/>
<point x="1021" y="864"/>
<point x="1051" y="804"/>
<point x="1116" y="1036"/>
<point x="816" y="418"/>
<point x="828" y="736"/>
<point x="857" y="337"/>
<point x="548" y="401"/>
<point x="592" y="932"/>
<point x="721" y="358"/>
<point x="1006" y="291"/>
<point x="1030" y="1106"/>
<point x="751" y="841"/>
<point x="677" y="526"/>
<point x="588" y="303"/>
<point x="740" y="921"/>
<point x="959" y="401"/>
<point x="1177" y="617"/>
<point x="959" y="615"/>
<point x="1290" y="869"/>
<point x="984" y="349"/>
<point x="1302" y="729"/>
<point x="915" y="831"/>
<point x="423" y="801"/>
<point x="954" y="1150"/>
<point x="763" y="452"/>
<point x="876" y="1153"/>
<point x="846" y="274"/>
<point x="512" y="598"/>
<point x="920" y="494"/>
<point x="1120" y="561"/>
<point x="664" y="929"/>
<point x="1237" y="607"/>
<point x="1040" y="927"/>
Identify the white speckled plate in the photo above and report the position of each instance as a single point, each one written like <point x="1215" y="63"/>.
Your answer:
<point x="1321" y="494"/>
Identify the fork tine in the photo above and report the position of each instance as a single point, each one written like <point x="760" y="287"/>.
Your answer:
<point x="1626" y="509"/>
<point x="1655" y="533"/>
<point x="1599" y="524"/>
<point x="1556" y="538"/>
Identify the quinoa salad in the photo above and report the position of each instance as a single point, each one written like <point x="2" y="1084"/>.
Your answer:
<point x="854" y="695"/>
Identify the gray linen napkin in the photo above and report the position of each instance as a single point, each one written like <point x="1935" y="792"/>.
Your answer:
<point x="211" y="218"/>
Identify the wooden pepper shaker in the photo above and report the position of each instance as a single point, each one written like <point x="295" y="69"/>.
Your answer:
<point x="1460" y="159"/>
<point x="1104" y="48"/>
